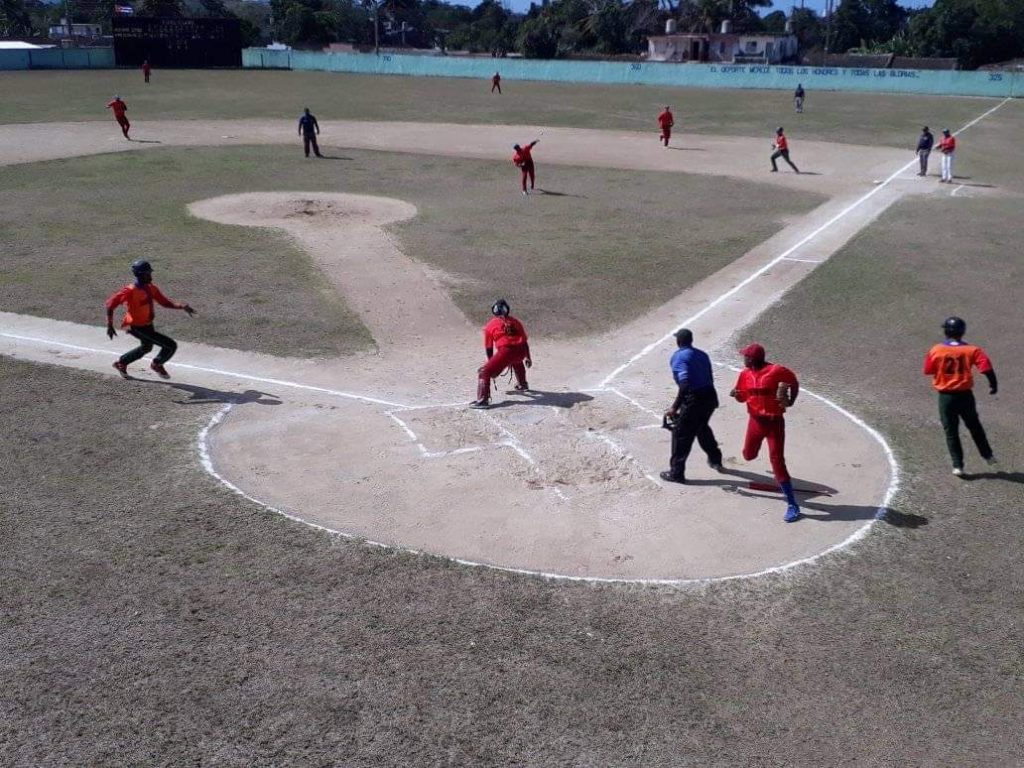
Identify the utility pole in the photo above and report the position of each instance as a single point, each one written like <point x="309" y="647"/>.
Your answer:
<point x="828" y="27"/>
<point x="376" y="27"/>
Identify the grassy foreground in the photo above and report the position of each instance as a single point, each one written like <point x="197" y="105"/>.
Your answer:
<point x="853" y="118"/>
<point x="603" y="246"/>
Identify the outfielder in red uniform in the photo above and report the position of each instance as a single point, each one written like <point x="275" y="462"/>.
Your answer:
<point x="146" y="70"/>
<point x="506" y="344"/>
<point x="523" y="160"/>
<point x="768" y="390"/>
<point x="666" y="121"/>
<point x="120" y="108"/>
<point x="496" y="83"/>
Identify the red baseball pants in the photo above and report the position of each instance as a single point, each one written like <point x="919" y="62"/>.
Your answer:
<point x="760" y="429"/>
<point x="666" y="134"/>
<point x="502" y="359"/>
<point x="527" y="171"/>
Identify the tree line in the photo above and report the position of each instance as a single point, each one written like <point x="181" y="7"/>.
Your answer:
<point x="975" y="32"/>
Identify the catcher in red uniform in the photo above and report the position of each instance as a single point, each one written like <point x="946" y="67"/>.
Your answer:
<point x="768" y="390"/>
<point x="506" y="344"/>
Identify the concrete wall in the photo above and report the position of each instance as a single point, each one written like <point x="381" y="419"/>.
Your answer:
<point x="997" y="84"/>
<point x="58" y="58"/>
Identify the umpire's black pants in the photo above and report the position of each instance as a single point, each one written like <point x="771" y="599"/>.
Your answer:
<point x="310" y="138"/>
<point x="149" y="338"/>
<point x="692" y="422"/>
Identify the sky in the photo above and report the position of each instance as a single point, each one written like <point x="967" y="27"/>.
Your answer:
<point x="783" y="5"/>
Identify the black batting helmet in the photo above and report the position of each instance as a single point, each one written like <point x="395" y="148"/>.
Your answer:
<point x="954" y="326"/>
<point x="141" y="267"/>
<point x="500" y="308"/>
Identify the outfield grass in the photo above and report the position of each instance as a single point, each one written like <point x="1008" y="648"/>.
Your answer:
<point x="607" y="246"/>
<point x="854" y="118"/>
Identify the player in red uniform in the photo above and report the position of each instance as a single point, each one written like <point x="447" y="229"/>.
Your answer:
<point x="949" y="364"/>
<point x="506" y="344"/>
<point x="523" y="160"/>
<point x="666" y="121"/>
<point x="138" y="319"/>
<point x="120" y="108"/>
<point x="768" y="390"/>
<point x="146" y="69"/>
<point x="496" y="83"/>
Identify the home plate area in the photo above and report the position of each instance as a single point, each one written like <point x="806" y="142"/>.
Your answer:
<point x="557" y="483"/>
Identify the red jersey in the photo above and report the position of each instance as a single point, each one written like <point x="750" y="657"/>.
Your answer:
<point x="119" y="108"/>
<point x="496" y="79"/>
<point x="146" y="68"/>
<point x="665" y="119"/>
<point x="949" y="364"/>
<point x="947" y="145"/>
<point x="759" y="389"/>
<point x="522" y="156"/>
<point x="780" y="142"/>
<point x="504" y="332"/>
<point x="139" y="300"/>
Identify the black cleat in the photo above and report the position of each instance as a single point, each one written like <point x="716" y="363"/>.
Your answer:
<point x="668" y="477"/>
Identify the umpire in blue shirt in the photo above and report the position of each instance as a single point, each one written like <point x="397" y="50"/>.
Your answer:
<point x="693" y="408"/>
<point x="308" y="129"/>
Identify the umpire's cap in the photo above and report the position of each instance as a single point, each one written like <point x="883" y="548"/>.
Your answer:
<point x="684" y="337"/>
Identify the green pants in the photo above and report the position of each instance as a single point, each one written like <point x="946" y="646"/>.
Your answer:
<point x="954" y="406"/>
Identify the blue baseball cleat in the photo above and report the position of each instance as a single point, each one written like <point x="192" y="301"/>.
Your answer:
<point x="792" y="513"/>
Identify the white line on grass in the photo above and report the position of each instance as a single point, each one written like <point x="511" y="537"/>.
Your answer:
<point x="785" y="254"/>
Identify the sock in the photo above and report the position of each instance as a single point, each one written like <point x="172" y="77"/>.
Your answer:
<point x="787" y="489"/>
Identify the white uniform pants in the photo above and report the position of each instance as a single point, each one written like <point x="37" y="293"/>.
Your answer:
<point x="947" y="166"/>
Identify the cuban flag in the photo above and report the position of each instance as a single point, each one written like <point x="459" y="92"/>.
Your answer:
<point x="124" y="10"/>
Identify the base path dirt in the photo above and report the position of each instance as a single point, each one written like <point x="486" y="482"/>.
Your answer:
<point x="560" y="481"/>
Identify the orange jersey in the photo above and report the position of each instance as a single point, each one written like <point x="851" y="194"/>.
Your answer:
<point x="949" y="364"/>
<point x="947" y="145"/>
<point x="665" y="119"/>
<point x="504" y="332"/>
<point x="780" y="142"/>
<point x="759" y="389"/>
<point x="119" y="108"/>
<point x="523" y="156"/>
<point x="139" y="302"/>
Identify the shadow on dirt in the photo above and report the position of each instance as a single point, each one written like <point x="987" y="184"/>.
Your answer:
<point x="206" y="396"/>
<point x="552" y="193"/>
<point x="1010" y="477"/>
<point x="537" y="397"/>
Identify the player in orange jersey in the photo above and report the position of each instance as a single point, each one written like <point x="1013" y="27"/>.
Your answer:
<point x="666" y="121"/>
<point x="949" y="364"/>
<point x="506" y="344"/>
<point x="768" y="390"/>
<point x="781" y="147"/>
<point x="523" y="160"/>
<point x="119" y="108"/>
<point x="138" y="319"/>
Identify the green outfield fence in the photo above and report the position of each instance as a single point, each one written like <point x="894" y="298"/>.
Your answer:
<point x="938" y="82"/>
<point x="57" y="58"/>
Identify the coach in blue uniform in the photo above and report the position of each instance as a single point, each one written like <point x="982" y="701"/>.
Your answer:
<point x="693" y="408"/>
<point x="308" y="129"/>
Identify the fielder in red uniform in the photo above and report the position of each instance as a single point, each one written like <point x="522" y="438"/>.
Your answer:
<point x="666" y="121"/>
<point x="146" y="70"/>
<point x="120" y="108"/>
<point x="506" y="344"/>
<point x="523" y="160"/>
<point x="138" y="319"/>
<point x="496" y="83"/>
<point x="768" y="390"/>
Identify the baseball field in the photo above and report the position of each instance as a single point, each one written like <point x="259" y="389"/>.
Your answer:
<point x="304" y="549"/>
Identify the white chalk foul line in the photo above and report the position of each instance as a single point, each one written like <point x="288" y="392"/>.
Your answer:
<point x="219" y="372"/>
<point x="782" y="256"/>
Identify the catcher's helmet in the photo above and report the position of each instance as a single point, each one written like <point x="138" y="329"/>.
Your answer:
<point x="954" y="326"/>
<point x="141" y="267"/>
<point x="501" y="308"/>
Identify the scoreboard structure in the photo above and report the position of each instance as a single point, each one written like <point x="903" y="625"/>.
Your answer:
<point x="177" y="43"/>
